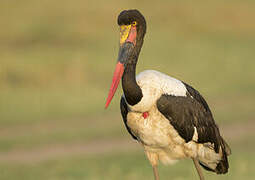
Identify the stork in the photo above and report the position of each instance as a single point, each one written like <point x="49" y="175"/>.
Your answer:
<point x="168" y="117"/>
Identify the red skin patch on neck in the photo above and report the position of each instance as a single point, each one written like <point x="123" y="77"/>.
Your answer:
<point x="145" y="115"/>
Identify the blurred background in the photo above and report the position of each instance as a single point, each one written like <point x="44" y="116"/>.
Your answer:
<point x="56" y="64"/>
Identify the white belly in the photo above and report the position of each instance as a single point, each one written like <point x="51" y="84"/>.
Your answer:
<point x="157" y="135"/>
<point x="152" y="131"/>
<point x="155" y="132"/>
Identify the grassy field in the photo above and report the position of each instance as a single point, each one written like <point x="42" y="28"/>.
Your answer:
<point x="56" y="64"/>
<point x="132" y="165"/>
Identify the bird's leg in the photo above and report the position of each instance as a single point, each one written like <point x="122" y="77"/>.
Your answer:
<point x="153" y="158"/>
<point x="198" y="168"/>
<point x="155" y="172"/>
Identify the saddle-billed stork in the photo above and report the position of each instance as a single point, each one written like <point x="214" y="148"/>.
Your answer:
<point x="168" y="117"/>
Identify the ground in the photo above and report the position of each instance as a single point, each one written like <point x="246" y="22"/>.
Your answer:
<point x="56" y="64"/>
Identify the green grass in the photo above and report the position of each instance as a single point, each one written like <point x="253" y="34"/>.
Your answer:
<point x="56" y="65"/>
<point x="132" y="165"/>
<point x="49" y="132"/>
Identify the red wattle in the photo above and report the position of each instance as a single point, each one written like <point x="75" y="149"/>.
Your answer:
<point x="145" y="115"/>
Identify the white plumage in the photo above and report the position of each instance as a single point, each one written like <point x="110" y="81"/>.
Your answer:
<point x="153" y="84"/>
<point x="155" y="133"/>
<point x="168" y="117"/>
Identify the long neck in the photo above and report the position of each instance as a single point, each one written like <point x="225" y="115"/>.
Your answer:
<point x="132" y="91"/>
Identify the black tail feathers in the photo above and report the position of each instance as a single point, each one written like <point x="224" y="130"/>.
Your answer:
<point x="222" y="166"/>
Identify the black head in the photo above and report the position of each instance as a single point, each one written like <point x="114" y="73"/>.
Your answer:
<point x="128" y="17"/>
<point x="132" y="30"/>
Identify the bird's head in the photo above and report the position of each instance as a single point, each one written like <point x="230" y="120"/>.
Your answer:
<point x="132" y="30"/>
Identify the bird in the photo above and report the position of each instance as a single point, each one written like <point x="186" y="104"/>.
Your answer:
<point x="168" y="117"/>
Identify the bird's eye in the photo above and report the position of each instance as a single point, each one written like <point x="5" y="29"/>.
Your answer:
<point x="134" y="23"/>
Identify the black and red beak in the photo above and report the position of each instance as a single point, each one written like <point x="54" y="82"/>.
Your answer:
<point x="127" y="43"/>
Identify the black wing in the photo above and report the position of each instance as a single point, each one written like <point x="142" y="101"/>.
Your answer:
<point x="185" y="113"/>
<point x="124" y="112"/>
<point x="197" y="96"/>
